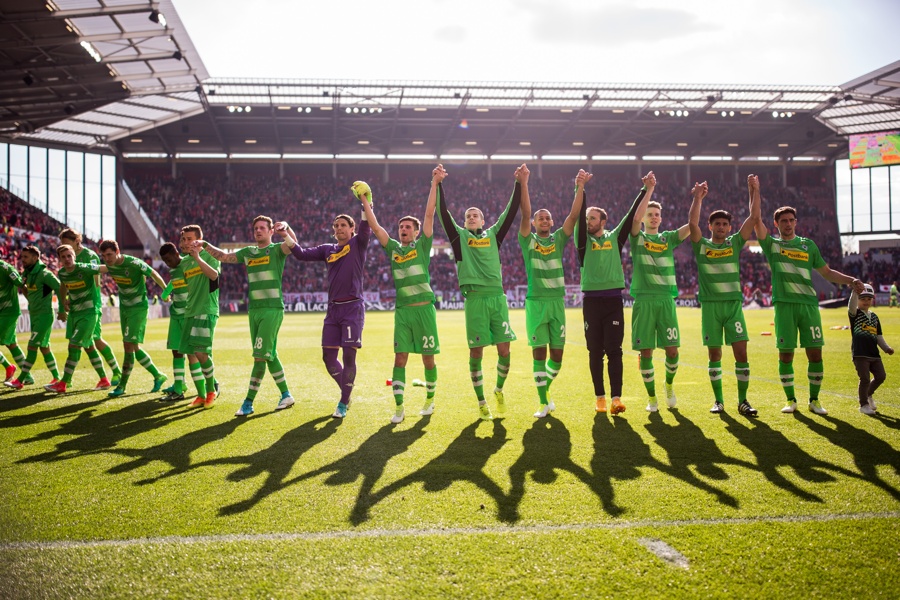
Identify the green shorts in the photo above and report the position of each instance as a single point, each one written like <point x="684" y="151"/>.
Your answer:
<point x="80" y="328"/>
<point x="415" y="330"/>
<point x="793" y="316"/>
<point x="41" y="327"/>
<point x="654" y="323"/>
<point x="98" y="327"/>
<point x="197" y="334"/>
<point x="545" y="322"/>
<point x="725" y="316"/>
<point x="176" y="325"/>
<point x="134" y="323"/>
<point x="264" y="326"/>
<point x="8" y="329"/>
<point x="487" y="321"/>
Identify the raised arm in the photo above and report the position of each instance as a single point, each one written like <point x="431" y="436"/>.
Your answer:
<point x="650" y="184"/>
<point x="577" y="204"/>
<point x="220" y="255"/>
<point x="447" y="222"/>
<point x="437" y="176"/>
<point x="697" y="196"/>
<point x="750" y="223"/>
<point x="285" y="232"/>
<point x="699" y="190"/>
<point x="505" y="221"/>
<point x="581" y="220"/>
<point x="525" y="202"/>
<point x="840" y="279"/>
<point x="209" y="271"/>
<point x="369" y="215"/>
<point x="853" y="304"/>
<point x="759" y="227"/>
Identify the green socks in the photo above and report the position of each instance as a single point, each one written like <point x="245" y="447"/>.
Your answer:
<point x="97" y="363"/>
<point x="18" y="356"/>
<point x="647" y="376"/>
<point x="398" y="384"/>
<point x="742" y="372"/>
<point x="178" y="370"/>
<point x="715" y="379"/>
<point x="209" y="372"/>
<point x="71" y="363"/>
<point x="147" y="363"/>
<point x="256" y="375"/>
<point x="199" y="379"/>
<point x="786" y="373"/>
<point x="277" y="372"/>
<point x="50" y="361"/>
<point x="477" y="378"/>
<point x="540" y="380"/>
<point x="110" y="359"/>
<point x="815" y="373"/>
<point x="430" y="381"/>
<point x="553" y="368"/>
<point x="127" y="368"/>
<point x="502" y="370"/>
<point x="672" y="368"/>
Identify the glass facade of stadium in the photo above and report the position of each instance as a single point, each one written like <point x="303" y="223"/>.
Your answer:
<point x="75" y="188"/>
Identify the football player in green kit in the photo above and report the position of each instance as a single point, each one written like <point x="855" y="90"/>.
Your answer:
<point x="10" y="282"/>
<point x="545" y="307"/>
<point x="265" y="266"/>
<point x="791" y="260"/>
<point x="654" y="323"/>
<point x="130" y="273"/>
<point x="40" y="284"/>
<point x="84" y="255"/>
<point x="720" y="295"/>
<point x="177" y="291"/>
<point x="477" y="254"/>
<point x="415" y="317"/>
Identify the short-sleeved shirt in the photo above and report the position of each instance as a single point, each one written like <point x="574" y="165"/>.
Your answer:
<point x="87" y="256"/>
<point x="654" y="264"/>
<point x="544" y="264"/>
<point x="129" y="277"/>
<point x="409" y="267"/>
<point x="10" y="282"/>
<point x="792" y="263"/>
<point x="202" y="292"/>
<point x="865" y="329"/>
<point x="344" y="264"/>
<point x="265" y="267"/>
<point x="719" y="268"/>
<point x="179" y="290"/>
<point x="40" y="283"/>
<point x="83" y="292"/>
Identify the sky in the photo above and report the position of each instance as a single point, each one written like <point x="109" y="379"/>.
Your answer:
<point x="810" y="42"/>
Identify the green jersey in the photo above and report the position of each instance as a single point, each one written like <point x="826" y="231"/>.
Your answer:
<point x="87" y="256"/>
<point x="264" y="269"/>
<point x="409" y="266"/>
<point x="82" y="288"/>
<point x="654" y="264"/>
<point x="10" y="282"/>
<point x="202" y="292"/>
<point x="792" y="263"/>
<point x="719" y="268"/>
<point x="602" y="264"/>
<point x="179" y="290"/>
<point x="129" y="277"/>
<point x="544" y="264"/>
<point x="40" y="283"/>
<point x="893" y="290"/>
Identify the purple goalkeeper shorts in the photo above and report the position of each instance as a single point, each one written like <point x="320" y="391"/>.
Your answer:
<point x="344" y="324"/>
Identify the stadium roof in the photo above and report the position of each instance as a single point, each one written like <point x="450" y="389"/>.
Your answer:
<point x="88" y="72"/>
<point x="97" y="73"/>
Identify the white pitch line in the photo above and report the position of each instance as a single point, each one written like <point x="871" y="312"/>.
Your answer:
<point x="427" y="532"/>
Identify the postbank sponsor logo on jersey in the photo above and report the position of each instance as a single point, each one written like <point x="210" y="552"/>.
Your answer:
<point x="31" y="287"/>
<point x="795" y="254"/>
<point x="402" y="258"/>
<point x="257" y="262"/>
<point x="652" y="247"/>
<point x="722" y="253"/>
<point x="545" y="250"/>
<point x="179" y="283"/>
<point x="479" y="242"/>
<point x="193" y="272"/>
<point x="606" y="245"/>
<point x="870" y="329"/>
<point x="75" y="285"/>
<point x="339" y="254"/>
<point x="122" y="280"/>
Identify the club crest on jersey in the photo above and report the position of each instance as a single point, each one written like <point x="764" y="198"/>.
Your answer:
<point x="412" y="244"/>
<point x="484" y="242"/>
<point x="728" y="242"/>
<point x="662" y="238"/>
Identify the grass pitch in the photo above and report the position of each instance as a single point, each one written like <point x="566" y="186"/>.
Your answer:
<point x="134" y="497"/>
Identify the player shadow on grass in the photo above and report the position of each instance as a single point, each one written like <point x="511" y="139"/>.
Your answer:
<point x="277" y="460"/>
<point x="90" y="433"/>
<point x="773" y="450"/>
<point x="463" y="460"/>
<point x="687" y="446"/>
<point x="51" y="414"/>
<point x="176" y="452"/>
<point x="11" y="400"/>
<point x="368" y="461"/>
<point x="868" y="451"/>
<point x="619" y="451"/>
<point x="546" y="449"/>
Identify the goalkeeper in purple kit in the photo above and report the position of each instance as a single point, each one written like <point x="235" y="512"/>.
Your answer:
<point x="346" y="316"/>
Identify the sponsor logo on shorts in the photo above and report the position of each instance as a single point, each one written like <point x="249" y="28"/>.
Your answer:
<point x="402" y="258"/>
<point x="339" y="254"/>
<point x="795" y="254"/>
<point x="710" y="253"/>
<point x="651" y="247"/>
<point x="606" y="245"/>
<point x="479" y="243"/>
<point x="545" y="250"/>
<point x="256" y="262"/>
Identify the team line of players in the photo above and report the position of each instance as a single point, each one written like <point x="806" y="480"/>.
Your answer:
<point x="195" y="267"/>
